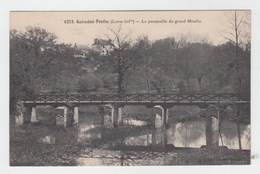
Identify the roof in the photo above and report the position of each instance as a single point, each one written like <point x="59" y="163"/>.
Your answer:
<point x="82" y="46"/>
<point x="102" y="42"/>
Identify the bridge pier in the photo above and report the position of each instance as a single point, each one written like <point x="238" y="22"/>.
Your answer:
<point x="33" y="115"/>
<point x="116" y="114"/>
<point x="76" y="115"/>
<point x="68" y="117"/>
<point x="24" y="114"/>
<point x="212" y="127"/>
<point x="165" y="114"/>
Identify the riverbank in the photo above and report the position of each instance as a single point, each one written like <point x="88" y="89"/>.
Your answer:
<point x="144" y="156"/>
<point x="43" y="145"/>
<point x="47" y="145"/>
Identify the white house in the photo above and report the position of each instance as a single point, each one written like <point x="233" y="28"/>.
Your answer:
<point x="104" y="47"/>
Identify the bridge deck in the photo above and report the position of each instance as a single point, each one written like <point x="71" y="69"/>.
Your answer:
<point x="140" y="98"/>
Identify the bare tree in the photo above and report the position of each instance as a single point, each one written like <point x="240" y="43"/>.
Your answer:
<point x="183" y="39"/>
<point x="237" y="31"/>
<point x="124" y="53"/>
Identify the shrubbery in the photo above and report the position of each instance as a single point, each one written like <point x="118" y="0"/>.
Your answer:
<point x="27" y="149"/>
<point x="90" y="83"/>
<point x="110" y="80"/>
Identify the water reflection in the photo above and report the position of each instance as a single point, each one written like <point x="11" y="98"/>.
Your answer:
<point x="142" y="144"/>
<point x="230" y="135"/>
<point x="192" y="134"/>
<point x="186" y="134"/>
<point x="98" y="157"/>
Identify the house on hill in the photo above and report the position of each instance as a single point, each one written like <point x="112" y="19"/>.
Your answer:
<point x="104" y="47"/>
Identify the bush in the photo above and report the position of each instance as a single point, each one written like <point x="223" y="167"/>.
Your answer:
<point x="90" y="83"/>
<point x="110" y="80"/>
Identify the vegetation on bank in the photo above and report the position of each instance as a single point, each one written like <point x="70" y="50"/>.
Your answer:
<point x="43" y="145"/>
<point x="212" y="157"/>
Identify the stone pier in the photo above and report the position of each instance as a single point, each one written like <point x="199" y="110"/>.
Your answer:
<point x="24" y="114"/>
<point x="76" y="115"/>
<point x="212" y="127"/>
<point x="68" y="117"/>
<point x="33" y="115"/>
<point x="165" y="114"/>
<point x="116" y="114"/>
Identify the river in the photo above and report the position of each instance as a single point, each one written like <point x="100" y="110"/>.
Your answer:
<point x="141" y="144"/>
<point x="190" y="134"/>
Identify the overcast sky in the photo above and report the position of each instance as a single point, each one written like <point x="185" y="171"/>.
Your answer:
<point x="208" y="23"/>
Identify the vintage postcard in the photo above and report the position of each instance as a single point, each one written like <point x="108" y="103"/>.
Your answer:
<point x="130" y="88"/>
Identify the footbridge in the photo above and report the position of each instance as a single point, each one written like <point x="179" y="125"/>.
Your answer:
<point x="139" y="99"/>
<point x="70" y="104"/>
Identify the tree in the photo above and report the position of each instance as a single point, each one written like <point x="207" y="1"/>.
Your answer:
<point x="162" y="64"/>
<point x="185" y="65"/>
<point x="201" y="61"/>
<point x="237" y="32"/>
<point x="34" y="57"/>
<point x="220" y="71"/>
<point x="144" y="48"/>
<point x="124" y="53"/>
<point x="90" y="83"/>
<point x="192" y="52"/>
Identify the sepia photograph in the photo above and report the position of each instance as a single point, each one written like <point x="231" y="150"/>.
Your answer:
<point x="130" y="88"/>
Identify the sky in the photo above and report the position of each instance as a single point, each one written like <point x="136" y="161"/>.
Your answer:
<point x="155" y="24"/>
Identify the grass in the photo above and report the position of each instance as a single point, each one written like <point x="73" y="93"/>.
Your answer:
<point x="27" y="150"/>
<point x="219" y="156"/>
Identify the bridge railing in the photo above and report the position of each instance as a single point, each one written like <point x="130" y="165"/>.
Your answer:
<point x="171" y="98"/>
